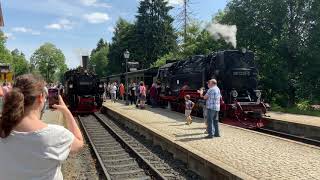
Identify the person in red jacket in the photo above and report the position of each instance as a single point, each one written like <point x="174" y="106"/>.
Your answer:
<point x="121" y="91"/>
<point x="143" y="94"/>
<point x="153" y="95"/>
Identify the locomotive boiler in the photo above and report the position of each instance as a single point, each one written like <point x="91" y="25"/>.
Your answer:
<point x="237" y="78"/>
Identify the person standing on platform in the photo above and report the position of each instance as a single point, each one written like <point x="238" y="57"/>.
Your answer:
<point x="108" y="90"/>
<point x="212" y="98"/>
<point x="5" y="89"/>
<point x="143" y="95"/>
<point x="113" y="92"/>
<point x="60" y="88"/>
<point x="188" y="109"/>
<point x="121" y="91"/>
<point x="132" y="92"/>
<point x="137" y="94"/>
<point x="202" y="103"/>
<point x="104" y="92"/>
<point x="1" y="98"/>
<point x="158" y="92"/>
<point x="9" y="86"/>
<point x="153" y="95"/>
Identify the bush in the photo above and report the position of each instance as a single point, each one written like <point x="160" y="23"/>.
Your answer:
<point x="276" y="107"/>
<point x="281" y="100"/>
<point x="304" y="105"/>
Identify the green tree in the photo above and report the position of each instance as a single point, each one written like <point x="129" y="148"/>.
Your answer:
<point x="5" y="55"/>
<point x="172" y="56"/>
<point x="198" y="41"/>
<point x="19" y="63"/>
<point x="309" y="85"/>
<point x="277" y="31"/>
<point x="100" y="61"/>
<point x="101" y="44"/>
<point x="49" y="61"/>
<point x="154" y="32"/>
<point x="124" y="38"/>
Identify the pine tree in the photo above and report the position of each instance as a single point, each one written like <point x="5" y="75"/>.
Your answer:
<point x="154" y="32"/>
<point x="101" y="44"/>
<point x="124" y="38"/>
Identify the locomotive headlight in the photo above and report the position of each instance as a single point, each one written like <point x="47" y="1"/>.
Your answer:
<point x="70" y="86"/>
<point x="258" y="93"/>
<point x="234" y="93"/>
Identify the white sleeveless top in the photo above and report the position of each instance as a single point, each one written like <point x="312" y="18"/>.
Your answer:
<point x="35" y="155"/>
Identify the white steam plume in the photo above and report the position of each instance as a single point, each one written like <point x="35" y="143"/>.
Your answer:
<point x="226" y="32"/>
<point x="79" y="52"/>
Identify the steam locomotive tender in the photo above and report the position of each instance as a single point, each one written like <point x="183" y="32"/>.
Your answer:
<point x="237" y="78"/>
<point x="83" y="91"/>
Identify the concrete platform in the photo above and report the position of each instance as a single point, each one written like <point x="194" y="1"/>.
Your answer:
<point x="238" y="154"/>
<point x="299" y="125"/>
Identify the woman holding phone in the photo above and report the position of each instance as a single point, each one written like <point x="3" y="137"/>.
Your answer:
<point x="30" y="148"/>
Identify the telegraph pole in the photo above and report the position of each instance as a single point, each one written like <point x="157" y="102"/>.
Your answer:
<point x="185" y="17"/>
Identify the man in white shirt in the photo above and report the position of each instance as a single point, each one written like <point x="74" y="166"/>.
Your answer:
<point x="113" y="92"/>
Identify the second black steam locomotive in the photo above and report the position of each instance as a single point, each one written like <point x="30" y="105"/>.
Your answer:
<point x="237" y="78"/>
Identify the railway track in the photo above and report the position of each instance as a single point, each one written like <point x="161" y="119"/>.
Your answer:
<point x="120" y="155"/>
<point x="289" y="136"/>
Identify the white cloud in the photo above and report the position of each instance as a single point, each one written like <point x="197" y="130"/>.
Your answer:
<point x="20" y="29"/>
<point x="9" y="36"/>
<point x="96" y="17"/>
<point x="111" y="29"/>
<point x="35" y="33"/>
<point x="62" y="24"/>
<point x="25" y="30"/>
<point x="170" y="2"/>
<point x="54" y="26"/>
<point x="175" y="2"/>
<point x="95" y="3"/>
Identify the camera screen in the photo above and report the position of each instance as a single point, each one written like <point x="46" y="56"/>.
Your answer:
<point x="53" y="97"/>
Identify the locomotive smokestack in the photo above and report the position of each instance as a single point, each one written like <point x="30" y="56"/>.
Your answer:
<point x="85" y="61"/>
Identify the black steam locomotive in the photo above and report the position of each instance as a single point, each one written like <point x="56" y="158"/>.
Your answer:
<point x="237" y="78"/>
<point x="83" y="91"/>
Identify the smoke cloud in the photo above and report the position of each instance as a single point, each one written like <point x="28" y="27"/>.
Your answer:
<point x="225" y="32"/>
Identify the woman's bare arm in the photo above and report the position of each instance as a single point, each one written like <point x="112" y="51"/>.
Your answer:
<point x="72" y="125"/>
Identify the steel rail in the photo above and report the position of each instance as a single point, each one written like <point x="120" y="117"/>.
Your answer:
<point x="290" y="136"/>
<point x="150" y="167"/>
<point x="108" y="177"/>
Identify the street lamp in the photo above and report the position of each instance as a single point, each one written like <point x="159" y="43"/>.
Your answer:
<point x="126" y="55"/>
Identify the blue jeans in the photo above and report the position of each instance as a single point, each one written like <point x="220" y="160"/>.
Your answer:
<point x="213" y="122"/>
<point x="153" y="102"/>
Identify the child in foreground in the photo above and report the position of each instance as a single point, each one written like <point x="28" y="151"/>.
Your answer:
<point x="188" y="109"/>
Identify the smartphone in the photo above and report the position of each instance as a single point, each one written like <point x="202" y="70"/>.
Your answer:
<point x="53" y="97"/>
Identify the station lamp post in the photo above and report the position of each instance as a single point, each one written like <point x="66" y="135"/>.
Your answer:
<point x="126" y="55"/>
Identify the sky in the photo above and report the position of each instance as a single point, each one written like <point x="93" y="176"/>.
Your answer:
<point x="75" y="26"/>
